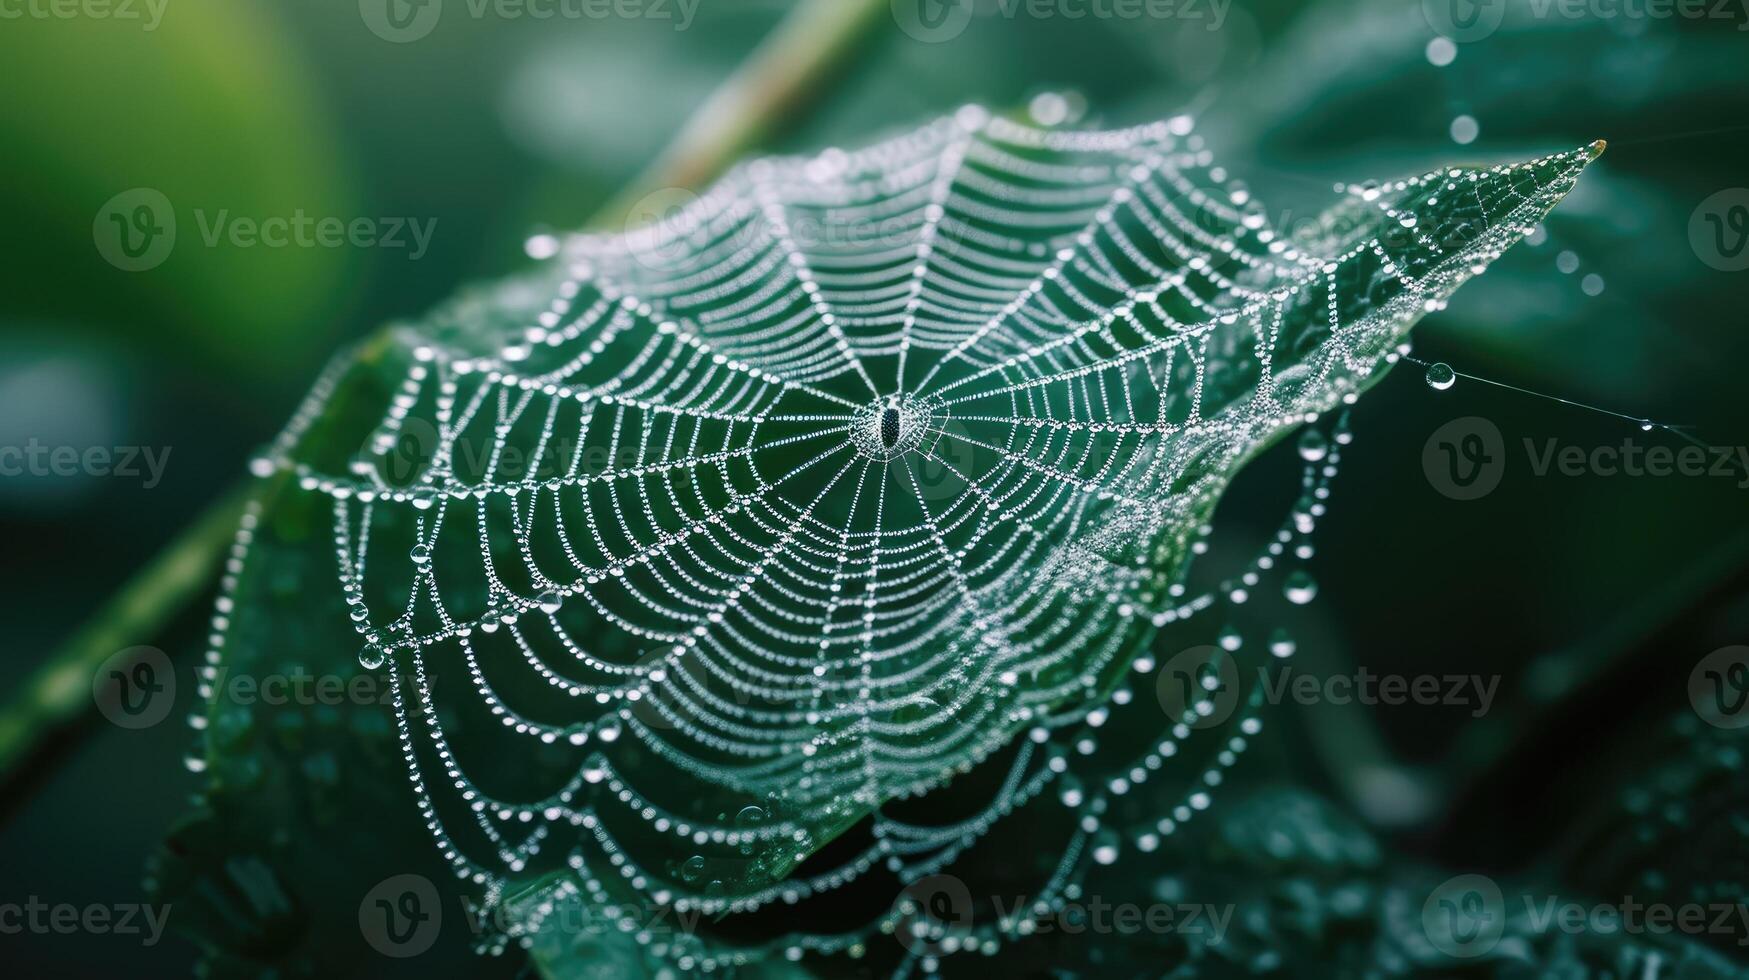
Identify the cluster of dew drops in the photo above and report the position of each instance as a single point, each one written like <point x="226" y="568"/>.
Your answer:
<point x="1464" y="130"/>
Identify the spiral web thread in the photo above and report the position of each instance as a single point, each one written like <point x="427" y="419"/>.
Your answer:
<point x="842" y="478"/>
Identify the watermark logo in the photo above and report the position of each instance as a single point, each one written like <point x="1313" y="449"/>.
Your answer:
<point x="400" y="21"/>
<point x="1464" y="20"/>
<point x="135" y="688"/>
<point x="1200" y="687"/>
<point x="403" y="457"/>
<point x="930" y="910"/>
<point x="1718" y="687"/>
<point x="401" y="916"/>
<point x="135" y="230"/>
<point x="1718" y="230"/>
<point x="1465" y="916"/>
<point x="1464" y="458"/>
<point x="933" y="21"/>
<point x="1200" y="684"/>
<point x="659" y="226"/>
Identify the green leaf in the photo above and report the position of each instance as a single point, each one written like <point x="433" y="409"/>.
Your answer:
<point x="701" y="548"/>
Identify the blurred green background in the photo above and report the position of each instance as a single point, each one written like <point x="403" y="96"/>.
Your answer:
<point x="1593" y="596"/>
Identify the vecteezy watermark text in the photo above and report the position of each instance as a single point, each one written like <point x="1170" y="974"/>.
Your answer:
<point x="137" y="687"/>
<point x="147" y="13"/>
<point x="300" y="230"/>
<point x="34" y="915"/>
<point x="935" y="912"/>
<point x="404" y="21"/>
<point x="1097" y="916"/>
<point x="36" y="458"/>
<point x="1464" y="459"/>
<point x="1466" y="21"/>
<point x="1632" y="459"/>
<point x="935" y="21"/>
<point x="1201" y="684"/>
<point x="1467" y="916"/>
<point x="299" y="687"/>
<point x="136" y="230"/>
<point x="403" y="916"/>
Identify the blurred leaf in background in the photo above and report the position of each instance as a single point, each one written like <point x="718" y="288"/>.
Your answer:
<point x="216" y="110"/>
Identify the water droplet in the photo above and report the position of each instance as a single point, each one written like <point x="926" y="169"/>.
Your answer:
<point x="1069" y="790"/>
<point x="1440" y="376"/>
<point x="1465" y="129"/>
<point x="1313" y="445"/>
<point x="1281" y="644"/>
<point x="370" y="656"/>
<point x="550" y="601"/>
<point x="693" y="868"/>
<point x="1300" y="588"/>
<point x="421" y="554"/>
<point x="1105" y="847"/>
<point x="1230" y="639"/>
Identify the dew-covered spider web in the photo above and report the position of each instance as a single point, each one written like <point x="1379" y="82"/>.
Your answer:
<point x="705" y="560"/>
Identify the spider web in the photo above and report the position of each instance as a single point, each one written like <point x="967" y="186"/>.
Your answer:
<point x="855" y="475"/>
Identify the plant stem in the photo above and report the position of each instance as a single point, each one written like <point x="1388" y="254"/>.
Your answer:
<point x="58" y="696"/>
<point x="782" y="74"/>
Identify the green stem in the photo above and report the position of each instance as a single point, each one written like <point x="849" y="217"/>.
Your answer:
<point x="769" y="89"/>
<point x="58" y="696"/>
